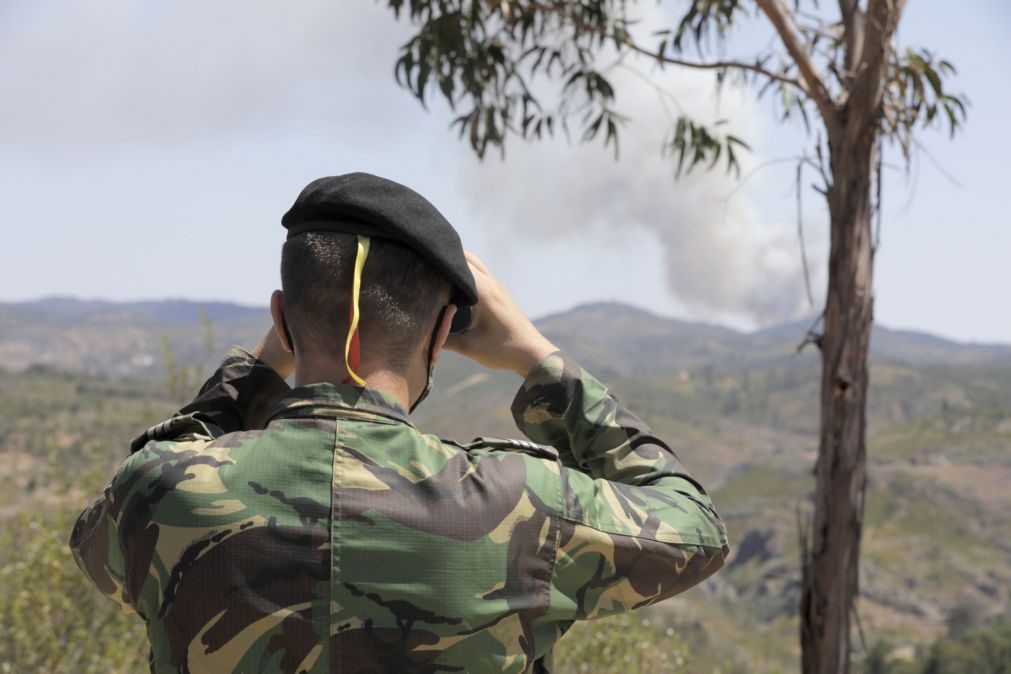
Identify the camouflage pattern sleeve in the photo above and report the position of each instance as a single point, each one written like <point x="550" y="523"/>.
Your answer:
<point x="636" y="528"/>
<point x="239" y="396"/>
<point x="96" y="549"/>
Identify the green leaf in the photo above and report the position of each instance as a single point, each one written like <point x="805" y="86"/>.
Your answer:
<point x="935" y="81"/>
<point x="716" y="156"/>
<point x="423" y="71"/>
<point x="612" y="135"/>
<point x="734" y="140"/>
<point x="592" y="129"/>
<point x="917" y="94"/>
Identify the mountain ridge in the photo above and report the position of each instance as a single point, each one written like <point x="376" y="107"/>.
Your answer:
<point x="71" y="305"/>
<point x="120" y="338"/>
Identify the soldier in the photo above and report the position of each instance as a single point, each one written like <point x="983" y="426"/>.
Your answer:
<point x="315" y="529"/>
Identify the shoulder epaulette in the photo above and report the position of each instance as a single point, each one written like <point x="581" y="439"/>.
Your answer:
<point x="170" y="428"/>
<point x="524" y="446"/>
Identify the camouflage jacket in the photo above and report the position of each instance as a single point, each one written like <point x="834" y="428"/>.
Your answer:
<point x="316" y="530"/>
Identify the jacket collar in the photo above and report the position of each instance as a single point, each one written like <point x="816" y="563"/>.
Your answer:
<point x="338" y="400"/>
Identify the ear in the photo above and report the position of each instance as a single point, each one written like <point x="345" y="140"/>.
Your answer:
<point x="443" y="334"/>
<point x="280" y="325"/>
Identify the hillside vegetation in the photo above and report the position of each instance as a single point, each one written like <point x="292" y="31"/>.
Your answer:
<point x="740" y="410"/>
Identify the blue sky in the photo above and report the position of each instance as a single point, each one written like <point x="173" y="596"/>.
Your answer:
<point x="148" y="150"/>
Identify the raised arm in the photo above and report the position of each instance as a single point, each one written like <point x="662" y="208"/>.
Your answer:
<point x="637" y="528"/>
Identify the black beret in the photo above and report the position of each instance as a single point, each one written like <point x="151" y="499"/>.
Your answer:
<point x="360" y="203"/>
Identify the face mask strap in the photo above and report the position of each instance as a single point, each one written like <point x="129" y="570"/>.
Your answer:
<point x="287" y="333"/>
<point x="352" y="347"/>
<point x="431" y="368"/>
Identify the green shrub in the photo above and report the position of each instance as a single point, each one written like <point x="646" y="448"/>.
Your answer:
<point x="51" y="618"/>
<point x="631" y="644"/>
<point x="625" y="643"/>
<point x="985" y="650"/>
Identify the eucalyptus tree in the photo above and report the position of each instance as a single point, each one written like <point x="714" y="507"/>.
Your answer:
<point x="526" y="68"/>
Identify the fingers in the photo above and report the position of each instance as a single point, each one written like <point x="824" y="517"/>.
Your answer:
<point x="476" y="262"/>
<point x="502" y="337"/>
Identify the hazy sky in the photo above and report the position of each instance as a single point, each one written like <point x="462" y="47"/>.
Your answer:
<point x="148" y="150"/>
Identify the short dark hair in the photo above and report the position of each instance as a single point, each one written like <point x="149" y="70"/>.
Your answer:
<point x="399" y="293"/>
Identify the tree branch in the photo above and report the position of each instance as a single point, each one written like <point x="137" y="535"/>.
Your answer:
<point x="777" y="14"/>
<point x="624" y="39"/>
<point x="715" y="65"/>
<point x="853" y="34"/>
<point x="880" y="22"/>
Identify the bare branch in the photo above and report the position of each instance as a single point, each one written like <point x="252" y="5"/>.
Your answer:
<point x="812" y="336"/>
<point x="662" y="94"/>
<point x="800" y="235"/>
<point x="778" y="15"/>
<point x="853" y="21"/>
<point x="876" y="243"/>
<point x="933" y="160"/>
<point x="742" y="182"/>
<point x="623" y="39"/>
<point x="881" y="20"/>
<point x="860" y="627"/>
<point x="715" y="65"/>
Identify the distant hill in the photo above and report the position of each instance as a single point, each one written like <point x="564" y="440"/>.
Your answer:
<point x="68" y="310"/>
<point x="123" y="339"/>
<point x="641" y="341"/>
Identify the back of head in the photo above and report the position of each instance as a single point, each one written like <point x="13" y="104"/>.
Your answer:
<point x="400" y="296"/>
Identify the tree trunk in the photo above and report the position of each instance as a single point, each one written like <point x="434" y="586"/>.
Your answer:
<point x="830" y="575"/>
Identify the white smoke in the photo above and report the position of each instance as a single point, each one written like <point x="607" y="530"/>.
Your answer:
<point x="722" y="261"/>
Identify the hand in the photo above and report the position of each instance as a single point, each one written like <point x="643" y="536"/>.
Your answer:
<point x="272" y="352"/>
<point x="502" y="337"/>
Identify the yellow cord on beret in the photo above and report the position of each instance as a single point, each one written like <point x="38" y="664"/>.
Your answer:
<point x="352" y="350"/>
